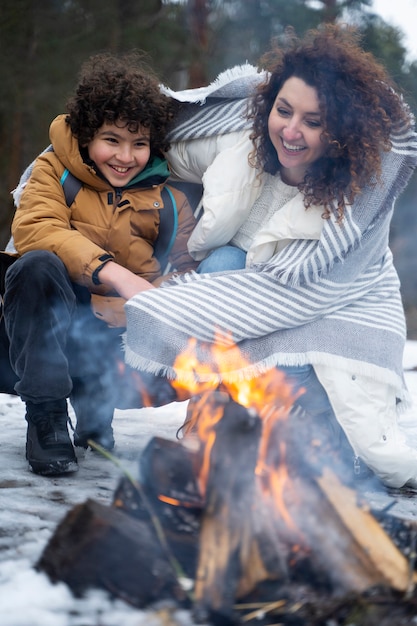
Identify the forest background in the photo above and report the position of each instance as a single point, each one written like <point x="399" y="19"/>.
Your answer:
<point x="188" y="43"/>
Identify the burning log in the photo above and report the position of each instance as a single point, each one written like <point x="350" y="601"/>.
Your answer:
<point x="226" y="534"/>
<point x="374" y="549"/>
<point x="167" y="496"/>
<point x="316" y="515"/>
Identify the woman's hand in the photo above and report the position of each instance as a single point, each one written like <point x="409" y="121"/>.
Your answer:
<point x="126" y="283"/>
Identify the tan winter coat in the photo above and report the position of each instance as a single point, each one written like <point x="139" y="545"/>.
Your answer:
<point x="100" y="224"/>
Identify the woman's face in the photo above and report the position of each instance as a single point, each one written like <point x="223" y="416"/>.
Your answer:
<point x="295" y="129"/>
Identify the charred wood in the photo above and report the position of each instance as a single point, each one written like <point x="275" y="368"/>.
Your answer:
<point x="226" y="537"/>
<point x="99" y="546"/>
<point x="169" y="493"/>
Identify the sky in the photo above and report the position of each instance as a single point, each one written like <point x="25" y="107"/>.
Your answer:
<point x="401" y="13"/>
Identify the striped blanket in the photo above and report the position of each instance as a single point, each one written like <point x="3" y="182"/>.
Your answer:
<point x="335" y="301"/>
<point x="225" y="103"/>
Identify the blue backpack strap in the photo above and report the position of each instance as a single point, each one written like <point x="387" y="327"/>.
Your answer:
<point x="168" y="227"/>
<point x="71" y="186"/>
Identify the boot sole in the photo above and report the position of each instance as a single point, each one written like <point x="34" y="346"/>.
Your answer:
<point x="54" y="468"/>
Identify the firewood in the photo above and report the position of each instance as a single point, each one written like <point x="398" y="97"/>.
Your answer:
<point x="341" y="546"/>
<point x="168" y="471"/>
<point x="100" y="546"/>
<point x="226" y="537"/>
<point x="373" y="545"/>
<point x="169" y="493"/>
<point x="252" y="507"/>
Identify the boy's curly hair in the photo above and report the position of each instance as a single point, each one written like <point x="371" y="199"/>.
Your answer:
<point x="358" y="104"/>
<point x="119" y="89"/>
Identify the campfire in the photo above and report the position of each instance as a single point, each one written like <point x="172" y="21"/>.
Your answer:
<point x="250" y="517"/>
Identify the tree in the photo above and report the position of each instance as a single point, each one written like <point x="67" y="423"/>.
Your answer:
<point x="42" y="46"/>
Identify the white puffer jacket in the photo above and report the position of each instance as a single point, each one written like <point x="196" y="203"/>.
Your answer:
<point x="231" y="185"/>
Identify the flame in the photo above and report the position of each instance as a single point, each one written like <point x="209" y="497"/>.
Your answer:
<point x="270" y="394"/>
<point x="278" y="480"/>
<point x="205" y="415"/>
<point x="176" y="502"/>
<point x="136" y="382"/>
<point x="257" y="392"/>
<point x="188" y="361"/>
<point x="168" y="500"/>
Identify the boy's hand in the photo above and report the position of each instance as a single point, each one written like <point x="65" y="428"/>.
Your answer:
<point x="122" y="280"/>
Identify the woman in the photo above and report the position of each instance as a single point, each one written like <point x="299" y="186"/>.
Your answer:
<point x="333" y="146"/>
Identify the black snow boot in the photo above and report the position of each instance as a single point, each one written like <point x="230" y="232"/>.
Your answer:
<point x="102" y="436"/>
<point x="49" y="450"/>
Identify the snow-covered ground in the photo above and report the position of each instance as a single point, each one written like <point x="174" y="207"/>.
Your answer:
<point x="31" y="506"/>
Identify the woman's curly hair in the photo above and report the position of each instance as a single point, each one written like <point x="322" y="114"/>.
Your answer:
<point x="359" y="107"/>
<point x="123" y="90"/>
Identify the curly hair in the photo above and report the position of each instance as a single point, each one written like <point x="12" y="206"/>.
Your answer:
<point x="119" y="89"/>
<point x="359" y="108"/>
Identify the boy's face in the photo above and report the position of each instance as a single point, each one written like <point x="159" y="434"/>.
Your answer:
<point x="119" y="154"/>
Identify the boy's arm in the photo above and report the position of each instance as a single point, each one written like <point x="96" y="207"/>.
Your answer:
<point x="42" y="217"/>
<point x="42" y="221"/>
<point x="122" y="280"/>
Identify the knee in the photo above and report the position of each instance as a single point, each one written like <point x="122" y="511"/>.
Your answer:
<point x="223" y="259"/>
<point x="35" y="266"/>
<point x="38" y="260"/>
<point x="309" y="392"/>
<point x="35" y="276"/>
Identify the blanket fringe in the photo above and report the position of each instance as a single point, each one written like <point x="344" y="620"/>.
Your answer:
<point x="199" y="95"/>
<point x="254" y="370"/>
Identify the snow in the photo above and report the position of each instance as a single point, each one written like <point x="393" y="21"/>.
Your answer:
<point x="31" y="506"/>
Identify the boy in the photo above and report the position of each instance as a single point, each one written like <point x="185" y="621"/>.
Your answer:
<point x="78" y="264"/>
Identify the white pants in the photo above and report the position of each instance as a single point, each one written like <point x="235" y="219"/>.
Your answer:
<point x="366" y="410"/>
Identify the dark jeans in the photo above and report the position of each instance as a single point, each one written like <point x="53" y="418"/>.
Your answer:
<point x="58" y="348"/>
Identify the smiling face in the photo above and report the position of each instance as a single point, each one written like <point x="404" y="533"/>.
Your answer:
<point x="295" y="129"/>
<point x="119" y="154"/>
